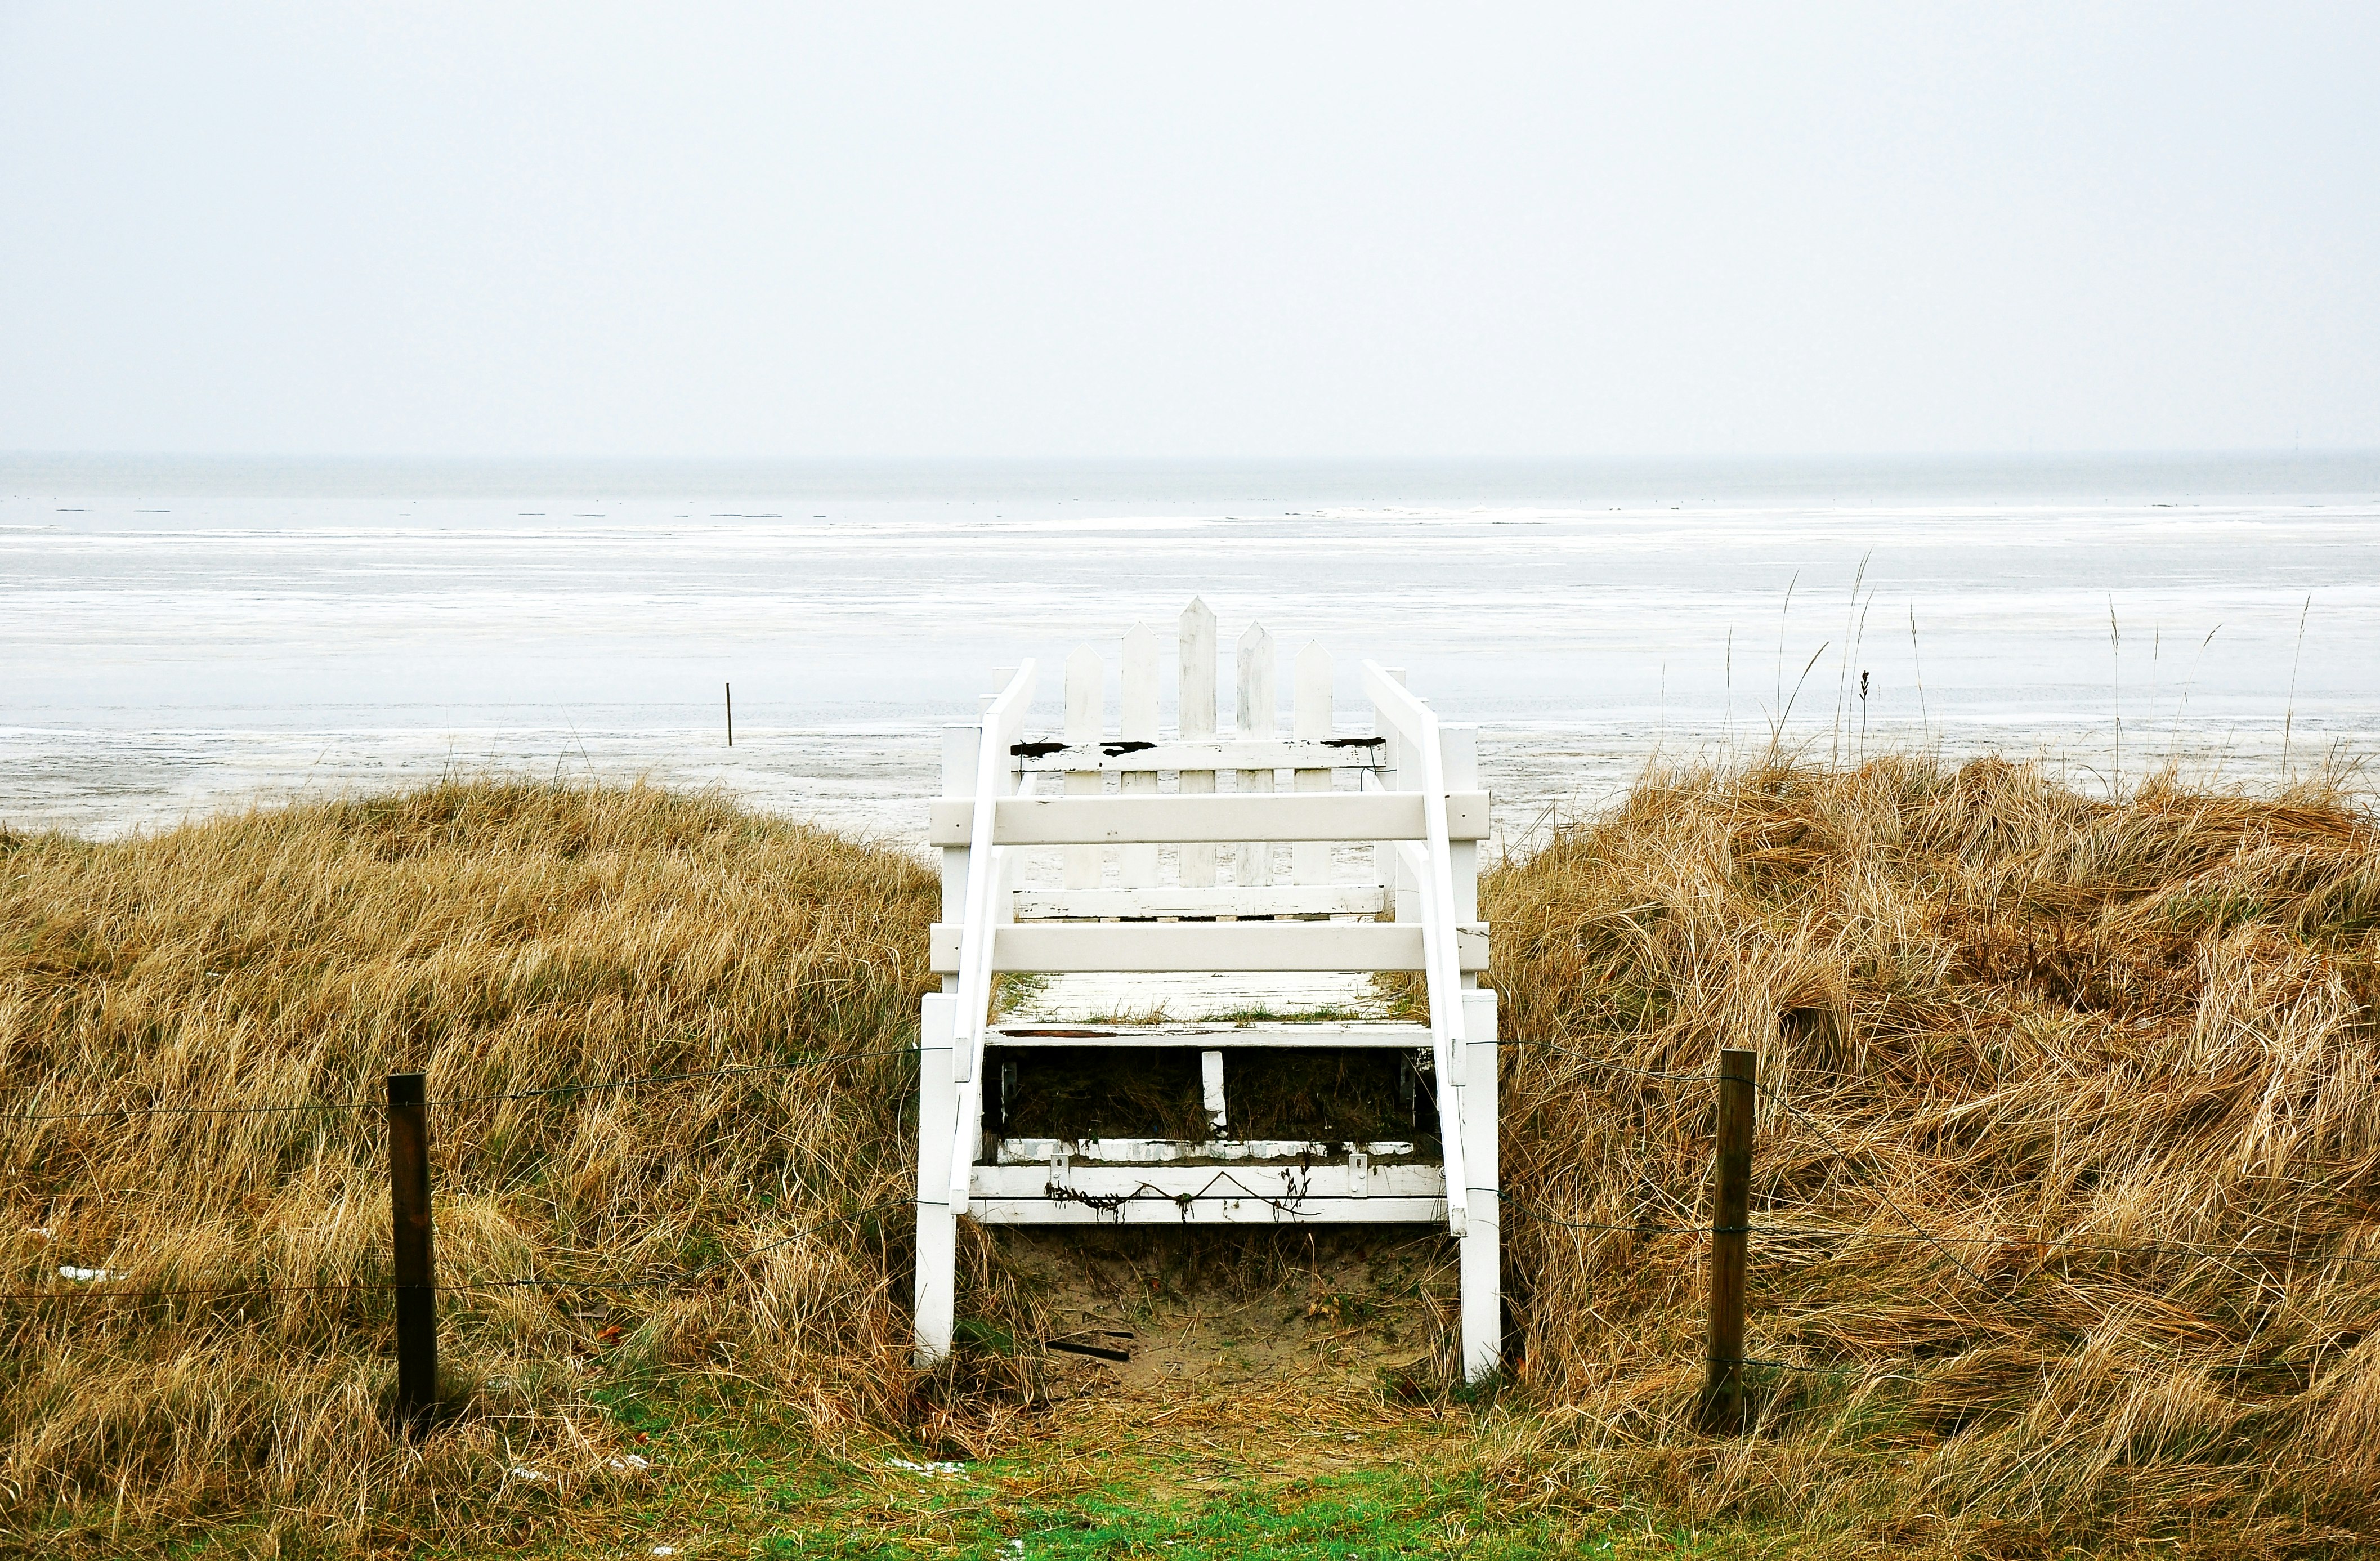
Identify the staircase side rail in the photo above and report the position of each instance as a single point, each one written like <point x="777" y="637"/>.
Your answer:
<point x="1003" y="721"/>
<point x="1419" y="725"/>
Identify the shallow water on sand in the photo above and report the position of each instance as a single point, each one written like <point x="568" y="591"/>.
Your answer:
<point x="181" y="636"/>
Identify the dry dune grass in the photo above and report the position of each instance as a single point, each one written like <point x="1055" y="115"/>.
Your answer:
<point x="1982" y="1003"/>
<point x="2013" y="1017"/>
<point x="505" y="937"/>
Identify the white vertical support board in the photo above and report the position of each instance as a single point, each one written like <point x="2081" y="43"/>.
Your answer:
<point x="1194" y="682"/>
<point x="959" y="748"/>
<point x="1210" y="1081"/>
<point x="1459" y="745"/>
<point x="1309" y="861"/>
<point x="1137" y="864"/>
<point x="1482" y="1257"/>
<point x="1086" y="710"/>
<point x="1259" y="718"/>
<point x="933" y="1299"/>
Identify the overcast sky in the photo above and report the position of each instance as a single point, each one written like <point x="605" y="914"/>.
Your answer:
<point x="1276" y="230"/>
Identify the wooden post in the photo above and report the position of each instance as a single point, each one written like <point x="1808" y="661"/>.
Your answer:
<point x="1730" y="1224"/>
<point x="731" y="712"/>
<point x="416" y="1264"/>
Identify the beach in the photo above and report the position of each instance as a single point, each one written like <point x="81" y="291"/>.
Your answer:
<point x="180" y="636"/>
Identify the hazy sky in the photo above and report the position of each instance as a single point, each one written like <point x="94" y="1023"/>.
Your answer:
<point x="1273" y="230"/>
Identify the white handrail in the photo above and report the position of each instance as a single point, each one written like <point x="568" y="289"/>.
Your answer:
<point x="1441" y="976"/>
<point x="1002" y="722"/>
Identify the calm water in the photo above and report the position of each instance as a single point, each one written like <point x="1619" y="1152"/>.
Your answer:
<point x="177" y="637"/>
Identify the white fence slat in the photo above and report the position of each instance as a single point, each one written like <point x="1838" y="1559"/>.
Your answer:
<point x="1085" y="702"/>
<point x="1137" y="864"/>
<point x="1195" y="715"/>
<point x="1309" y="861"/>
<point x="1252" y="860"/>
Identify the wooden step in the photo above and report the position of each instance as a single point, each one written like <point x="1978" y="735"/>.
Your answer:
<point x="1059" y="946"/>
<point x="1274" y="815"/>
<point x="1196" y="753"/>
<point x="1399" y="1193"/>
<point x="1179" y="1151"/>
<point x="1112" y="904"/>
<point x="1206" y="1036"/>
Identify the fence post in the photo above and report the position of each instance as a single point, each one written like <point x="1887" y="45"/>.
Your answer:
<point x="1730" y="1224"/>
<point x="416" y="1279"/>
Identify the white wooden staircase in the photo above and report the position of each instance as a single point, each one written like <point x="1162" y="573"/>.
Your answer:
<point x="1406" y="789"/>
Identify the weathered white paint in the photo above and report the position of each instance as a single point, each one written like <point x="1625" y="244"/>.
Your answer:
<point x="1210" y="1084"/>
<point x="1290" y="1184"/>
<point x="1339" y="816"/>
<point x="1309" y="861"/>
<point x="1059" y="946"/>
<point x="1324" y="900"/>
<point x="935" y="1294"/>
<point x="1251" y="859"/>
<point x="1481" y="1260"/>
<point x="1085" y="696"/>
<point x="1313" y="1033"/>
<point x="1175" y="1151"/>
<point x="1194" y="679"/>
<point x="1213" y="753"/>
<point x="1221" y="1207"/>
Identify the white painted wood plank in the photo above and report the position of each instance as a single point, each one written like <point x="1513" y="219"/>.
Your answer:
<point x="1175" y="1151"/>
<point x="1209" y="753"/>
<point x="961" y="747"/>
<point x="1258" y="717"/>
<point x="934" y="1292"/>
<point x="1330" y="1033"/>
<point x="1281" y="900"/>
<point x="1085" y="702"/>
<point x="1290" y="1183"/>
<point x="1194" y="718"/>
<point x="1481" y="1260"/>
<point x="1309" y="861"/>
<point x="1061" y="947"/>
<point x="1137" y="864"/>
<point x="1211" y="1085"/>
<point x="1223" y="1208"/>
<point x="1341" y="816"/>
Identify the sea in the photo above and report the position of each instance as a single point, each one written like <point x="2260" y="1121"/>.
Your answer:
<point x="182" y="636"/>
